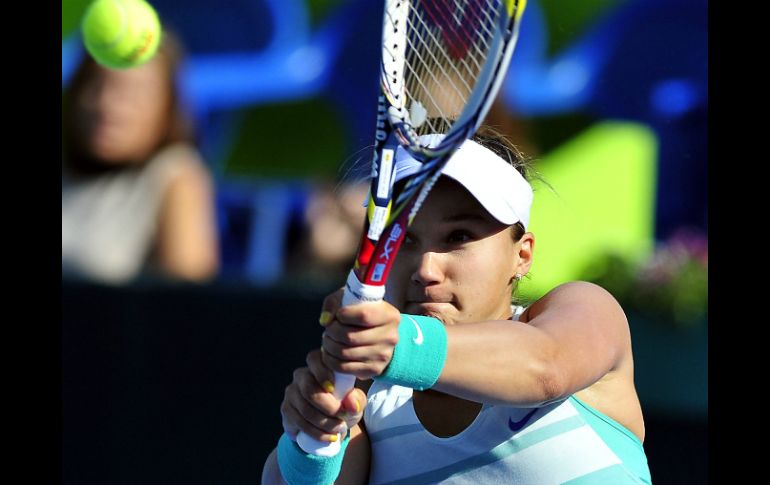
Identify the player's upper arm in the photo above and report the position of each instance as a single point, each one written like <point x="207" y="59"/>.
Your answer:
<point x="355" y="464"/>
<point x="589" y="332"/>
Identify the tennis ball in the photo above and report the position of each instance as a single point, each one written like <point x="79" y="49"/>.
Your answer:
<point x="121" y="33"/>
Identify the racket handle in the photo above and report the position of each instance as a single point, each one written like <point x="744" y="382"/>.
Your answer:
<point x="355" y="292"/>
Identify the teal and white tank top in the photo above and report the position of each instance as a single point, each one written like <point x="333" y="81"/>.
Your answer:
<point x="565" y="442"/>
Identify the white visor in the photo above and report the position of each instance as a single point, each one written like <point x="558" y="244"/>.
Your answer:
<point x="496" y="184"/>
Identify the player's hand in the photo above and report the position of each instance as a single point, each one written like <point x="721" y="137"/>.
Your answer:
<point x="309" y="405"/>
<point x="359" y="339"/>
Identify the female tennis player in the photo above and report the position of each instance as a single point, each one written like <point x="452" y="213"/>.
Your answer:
<point x="456" y="383"/>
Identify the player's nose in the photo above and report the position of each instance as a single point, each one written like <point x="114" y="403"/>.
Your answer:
<point x="428" y="270"/>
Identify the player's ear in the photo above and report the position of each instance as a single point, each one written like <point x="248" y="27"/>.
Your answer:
<point x="525" y="248"/>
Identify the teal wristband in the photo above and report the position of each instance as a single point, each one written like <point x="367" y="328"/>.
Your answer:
<point x="300" y="468"/>
<point x="419" y="356"/>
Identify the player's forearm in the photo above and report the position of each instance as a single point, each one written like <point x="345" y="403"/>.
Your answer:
<point x="352" y="470"/>
<point x="500" y="363"/>
<point x="271" y="474"/>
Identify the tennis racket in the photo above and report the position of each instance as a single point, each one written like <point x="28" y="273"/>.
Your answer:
<point x="442" y="64"/>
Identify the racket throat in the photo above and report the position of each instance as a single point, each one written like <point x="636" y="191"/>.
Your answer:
<point x="385" y="252"/>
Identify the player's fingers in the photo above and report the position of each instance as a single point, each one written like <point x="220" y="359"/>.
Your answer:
<point x="376" y="354"/>
<point x="325" y="421"/>
<point x="294" y="421"/>
<point x="370" y="314"/>
<point x="353" y="405"/>
<point x="352" y="336"/>
<point x="329" y="307"/>
<point x="323" y="375"/>
<point x="362" y="370"/>
<point x="311" y="392"/>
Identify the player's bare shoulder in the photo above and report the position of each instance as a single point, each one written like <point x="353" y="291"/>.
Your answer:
<point x="582" y="300"/>
<point x="581" y="294"/>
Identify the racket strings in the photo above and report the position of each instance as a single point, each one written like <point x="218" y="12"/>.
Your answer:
<point x="427" y="83"/>
<point x="447" y="47"/>
<point x="468" y="24"/>
<point x="431" y="73"/>
<point x="436" y="35"/>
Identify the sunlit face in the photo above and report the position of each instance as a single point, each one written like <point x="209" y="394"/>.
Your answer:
<point x="122" y="113"/>
<point x="457" y="262"/>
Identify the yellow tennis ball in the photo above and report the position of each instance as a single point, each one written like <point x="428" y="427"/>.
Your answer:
<point x="121" y="33"/>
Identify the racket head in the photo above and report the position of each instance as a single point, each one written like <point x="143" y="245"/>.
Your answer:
<point x="443" y="62"/>
<point x="441" y="66"/>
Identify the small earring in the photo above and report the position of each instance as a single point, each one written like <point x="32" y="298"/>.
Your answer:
<point x="518" y="276"/>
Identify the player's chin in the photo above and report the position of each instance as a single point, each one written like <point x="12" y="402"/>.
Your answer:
<point x="445" y="312"/>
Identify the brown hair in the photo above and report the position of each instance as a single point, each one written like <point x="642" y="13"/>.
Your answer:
<point x="178" y="124"/>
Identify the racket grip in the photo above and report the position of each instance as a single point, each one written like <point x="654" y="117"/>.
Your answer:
<point x="355" y="292"/>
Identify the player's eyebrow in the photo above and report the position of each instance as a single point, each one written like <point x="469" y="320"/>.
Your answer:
<point x="464" y="217"/>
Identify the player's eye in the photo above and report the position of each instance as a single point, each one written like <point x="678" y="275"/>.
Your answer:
<point x="459" y="236"/>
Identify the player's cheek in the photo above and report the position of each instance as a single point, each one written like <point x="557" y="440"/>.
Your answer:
<point x="395" y="291"/>
<point x="398" y="280"/>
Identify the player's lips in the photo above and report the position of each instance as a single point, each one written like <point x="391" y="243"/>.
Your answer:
<point x="429" y="297"/>
<point x="429" y="305"/>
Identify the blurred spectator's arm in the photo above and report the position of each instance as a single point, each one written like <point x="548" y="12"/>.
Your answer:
<point x="187" y="245"/>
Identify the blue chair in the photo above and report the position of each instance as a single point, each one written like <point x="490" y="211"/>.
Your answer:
<point x="255" y="221"/>
<point x="643" y="59"/>
<point x="243" y="55"/>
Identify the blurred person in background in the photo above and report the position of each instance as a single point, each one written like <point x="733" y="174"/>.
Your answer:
<point x="137" y="197"/>
<point x="331" y="231"/>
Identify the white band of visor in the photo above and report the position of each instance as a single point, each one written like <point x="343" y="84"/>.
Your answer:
<point x="498" y="187"/>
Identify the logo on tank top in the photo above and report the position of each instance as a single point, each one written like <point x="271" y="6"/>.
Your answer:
<point x="518" y="425"/>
